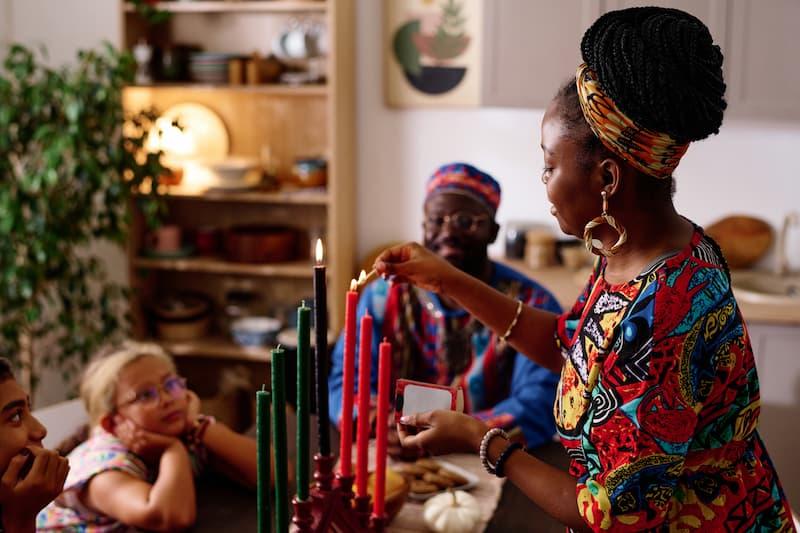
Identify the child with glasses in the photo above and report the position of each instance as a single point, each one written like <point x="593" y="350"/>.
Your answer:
<point x="30" y="476"/>
<point x="147" y="442"/>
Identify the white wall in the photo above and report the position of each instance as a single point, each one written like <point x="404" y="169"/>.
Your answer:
<point x="5" y="23"/>
<point x="746" y="169"/>
<point x="64" y="27"/>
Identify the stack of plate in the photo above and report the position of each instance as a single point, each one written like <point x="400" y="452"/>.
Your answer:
<point x="209" y="67"/>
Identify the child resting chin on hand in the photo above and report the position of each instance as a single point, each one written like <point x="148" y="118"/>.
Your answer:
<point x="146" y="444"/>
<point x="30" y="476"/>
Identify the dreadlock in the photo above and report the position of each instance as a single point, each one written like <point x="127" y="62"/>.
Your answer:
<point x="662" y="69"/>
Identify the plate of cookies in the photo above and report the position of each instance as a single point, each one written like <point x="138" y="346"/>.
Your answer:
<point x="428" y="477"/>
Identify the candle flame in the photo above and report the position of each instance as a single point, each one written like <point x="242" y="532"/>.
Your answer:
<point x="353" y="285"/>
<point x="318" y="252"/>
<point x="362" y="278"/>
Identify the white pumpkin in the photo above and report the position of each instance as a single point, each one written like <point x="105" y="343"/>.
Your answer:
<point x="452" y="512"/>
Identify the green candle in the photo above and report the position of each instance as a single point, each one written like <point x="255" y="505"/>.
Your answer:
<point x="263" y="458"/>
<point x="279" y="439"/>
<point x="303" y="338"/>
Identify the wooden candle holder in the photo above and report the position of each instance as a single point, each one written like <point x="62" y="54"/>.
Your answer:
<point x="332" y="506"/>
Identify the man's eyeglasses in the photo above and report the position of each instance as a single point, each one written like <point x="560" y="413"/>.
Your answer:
<point x="461" y="221"/>
<point x="174" y="386"/>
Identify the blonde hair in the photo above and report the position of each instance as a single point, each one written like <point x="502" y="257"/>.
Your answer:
<point x="99" y="383"/>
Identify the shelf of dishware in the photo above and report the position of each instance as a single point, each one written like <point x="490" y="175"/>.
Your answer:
<point x="217" y="347"/>
<point x="290" y="197"/>
<point x="211" y="265"/>
<point x="271" y="89"/>
<point x="239" y="6"/>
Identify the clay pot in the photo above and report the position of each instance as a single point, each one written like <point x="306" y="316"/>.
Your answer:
<point x="260" y="244"/>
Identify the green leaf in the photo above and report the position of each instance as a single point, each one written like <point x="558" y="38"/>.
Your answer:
<point x="64" y="153"/>
<point x="404" y="48"/>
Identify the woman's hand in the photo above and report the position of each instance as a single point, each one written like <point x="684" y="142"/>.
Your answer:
<point x="24" y="494"/>
<point x="395" y="448"/>
<point x="441" y="432"/>
<point x="415" y="264"/>
<point x="141" y="442"/>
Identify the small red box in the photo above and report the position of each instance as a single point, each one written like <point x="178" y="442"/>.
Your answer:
<point x="413" y="397"/>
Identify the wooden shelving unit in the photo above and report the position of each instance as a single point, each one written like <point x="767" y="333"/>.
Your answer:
<point x="272" y="89"/>
<point x="290" y="197"/>
<point x="217" y="347"/>
<point x="240" y="6"/>
<point x="295" y="269"/>
<point x="294" y="121"/>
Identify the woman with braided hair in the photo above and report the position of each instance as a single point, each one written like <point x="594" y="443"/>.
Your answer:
<point x="658" y="401"/>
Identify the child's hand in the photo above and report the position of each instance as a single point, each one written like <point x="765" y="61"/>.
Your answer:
<point x="24" y="494"/>
<point x="192" y="409"/>
<point x="141" y="442"/>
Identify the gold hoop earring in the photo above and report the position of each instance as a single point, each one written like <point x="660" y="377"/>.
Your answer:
<point x="596" y="246"/>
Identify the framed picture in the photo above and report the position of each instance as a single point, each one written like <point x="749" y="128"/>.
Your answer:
<point x="433" y="52"/>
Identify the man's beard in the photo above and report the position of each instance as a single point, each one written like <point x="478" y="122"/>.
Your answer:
<point x="473" y="258"/>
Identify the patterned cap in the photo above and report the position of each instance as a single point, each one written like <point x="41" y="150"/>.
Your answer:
<point x="461" y="178"/>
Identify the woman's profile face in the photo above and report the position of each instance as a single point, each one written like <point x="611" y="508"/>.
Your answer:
<point x="567" y="181"/>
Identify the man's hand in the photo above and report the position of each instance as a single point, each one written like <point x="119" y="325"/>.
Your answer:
<point x="24" y="494"/>
<point x="141" y="442"/>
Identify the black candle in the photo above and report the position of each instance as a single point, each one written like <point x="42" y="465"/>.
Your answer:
<point x="321" y="351"/>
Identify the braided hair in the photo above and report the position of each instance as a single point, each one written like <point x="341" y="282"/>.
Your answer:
<point x="662" y="69"/>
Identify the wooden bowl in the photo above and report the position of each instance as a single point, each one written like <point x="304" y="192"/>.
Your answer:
<point x="396" y="491"/>
<point x="743" y="240"/>
<point x="260" y="244"/>
<point x="183" y="330"/>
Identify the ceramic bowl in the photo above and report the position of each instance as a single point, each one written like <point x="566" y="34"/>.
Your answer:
<point x="255" y="330"/>
<point x="233" y="169"/>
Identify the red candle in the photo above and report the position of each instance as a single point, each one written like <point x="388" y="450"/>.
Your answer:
<point x="346" y="439"/>
<point x="364" y="360"/>
<point x="384" y="372"/>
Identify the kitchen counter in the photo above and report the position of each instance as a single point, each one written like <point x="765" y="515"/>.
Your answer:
<point x="566" y="285"/>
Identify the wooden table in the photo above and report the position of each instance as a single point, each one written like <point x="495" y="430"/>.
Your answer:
<point x="487" y="492"/>
<point x="222" y="505"/>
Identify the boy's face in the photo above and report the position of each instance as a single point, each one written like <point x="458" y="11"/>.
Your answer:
<point x="18" y="427"/>
<point x="153" y="397"/>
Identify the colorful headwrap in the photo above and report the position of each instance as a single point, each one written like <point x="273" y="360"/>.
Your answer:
<point x="462" y="178"/>
<point x="656" y="154"/>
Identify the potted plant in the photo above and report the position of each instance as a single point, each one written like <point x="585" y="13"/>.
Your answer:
<point x="149" y="11"/>
<point x="72" y="163"/>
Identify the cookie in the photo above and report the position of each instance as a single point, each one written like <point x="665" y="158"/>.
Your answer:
<point x="440" y="481"/>
<point x="423" y="487"/>
<point x="410" y="470"/>
<point x="457" y="479"/>
<point x="428" y="464"/>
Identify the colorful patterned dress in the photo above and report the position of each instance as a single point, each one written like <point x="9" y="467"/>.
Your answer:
<point x="658" y="403"/>
<point x="434" y="344"/>
<point x="103" y="452"/>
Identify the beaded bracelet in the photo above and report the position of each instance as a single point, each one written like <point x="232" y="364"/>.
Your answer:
<point x="504" y="336"/>
<point x="500" y="465"/>
<point x="484" y="449"/>
<point x="201" y="425"/>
